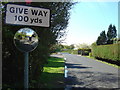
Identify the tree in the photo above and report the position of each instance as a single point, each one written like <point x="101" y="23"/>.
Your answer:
<point x="13" y="61"/>
<point x="111" y="34"/>
<point x="72" y="46"/>
<point x="98" y="42"/>
<point x="102" y="39"/>
<point x="56" y="48"/>
<point x="93" y="44"/>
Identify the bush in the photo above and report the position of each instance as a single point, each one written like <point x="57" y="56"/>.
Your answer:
<point x="110" y="52"/>
<point x="90" y="54"/>
<point x="74" y="51"/>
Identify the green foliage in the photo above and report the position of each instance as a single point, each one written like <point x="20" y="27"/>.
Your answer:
<point x="112" y="33"/>
<point x="118" y="41"/>
<point x="90" y="54"/>
<point x="93" y="44"/>
<point x="72" y="46"/>
<point x="102" y="39"/>
<point x="74" y="52"/>
<point x="66" y="47"/>
<point x="56" y="48"/>
<point x="71" y="51"/>
<point x="110" y="52"/>
<point x="13" y="60"/>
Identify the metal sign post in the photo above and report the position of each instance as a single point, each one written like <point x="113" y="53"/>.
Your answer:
<point x="26" y="70"/>
<point x="26" y="40"/>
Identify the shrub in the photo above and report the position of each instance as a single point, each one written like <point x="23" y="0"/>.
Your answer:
<point x="90" y="54"/>
<point x="110" y="52"/>
<point x="74" y="51"/>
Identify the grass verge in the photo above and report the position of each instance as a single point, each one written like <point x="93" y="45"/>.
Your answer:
<point x="53" y="74"/>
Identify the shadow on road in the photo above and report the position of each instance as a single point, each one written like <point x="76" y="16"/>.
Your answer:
<point x="79" y="66"/>
<point x="87" y="80"/>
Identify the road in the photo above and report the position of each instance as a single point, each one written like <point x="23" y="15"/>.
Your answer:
<point x="82" y="72"/>
<point x="26" y="45"/>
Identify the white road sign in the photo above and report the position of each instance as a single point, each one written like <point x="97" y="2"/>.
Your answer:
<point x="26" y="15"/>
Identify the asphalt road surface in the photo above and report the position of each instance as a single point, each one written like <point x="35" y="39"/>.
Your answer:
<point x="82" y="72"/>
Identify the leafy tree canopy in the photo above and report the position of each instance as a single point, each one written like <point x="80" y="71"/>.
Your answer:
<point x="102" y="39"/>
<point x="109" y="38"/>
<point x="111" y="34"/>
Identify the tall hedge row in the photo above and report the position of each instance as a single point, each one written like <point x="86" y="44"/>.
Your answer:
<point x="110" y="52"/>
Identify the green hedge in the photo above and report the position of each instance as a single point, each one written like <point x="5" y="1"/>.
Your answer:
<point x="111" y="52"/>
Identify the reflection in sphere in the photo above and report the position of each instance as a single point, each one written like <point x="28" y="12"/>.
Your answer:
<point x="26" y="39"/>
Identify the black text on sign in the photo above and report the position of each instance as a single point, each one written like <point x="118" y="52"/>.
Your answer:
<point x="24" y="15"/>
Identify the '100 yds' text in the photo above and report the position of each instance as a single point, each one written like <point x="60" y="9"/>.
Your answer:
<point x="34" y="12"/>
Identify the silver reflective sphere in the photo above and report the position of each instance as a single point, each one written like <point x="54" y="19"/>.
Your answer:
<point x="26" y="39"/>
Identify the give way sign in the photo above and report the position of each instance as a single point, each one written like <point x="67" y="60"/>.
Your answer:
<point x="26" y="15"/>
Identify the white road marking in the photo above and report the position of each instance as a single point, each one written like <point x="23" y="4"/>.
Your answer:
<point x="66" y="71"/>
